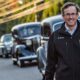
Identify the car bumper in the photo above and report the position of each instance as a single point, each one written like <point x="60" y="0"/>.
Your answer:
<point x="31" y="57"/>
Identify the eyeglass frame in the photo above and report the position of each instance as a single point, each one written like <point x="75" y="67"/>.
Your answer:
<point x="70" y="14"/>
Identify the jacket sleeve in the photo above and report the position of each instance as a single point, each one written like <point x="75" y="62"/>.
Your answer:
<point x="51" y="59"/>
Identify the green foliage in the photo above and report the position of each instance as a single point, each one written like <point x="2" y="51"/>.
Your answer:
<point x="54" y="9"/>
<point x="30" y="18"/>
<point x="46" y="0"/>
<point x="75" y="1"/>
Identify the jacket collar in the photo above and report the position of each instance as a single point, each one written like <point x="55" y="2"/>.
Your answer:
<point x="62" y="30"/>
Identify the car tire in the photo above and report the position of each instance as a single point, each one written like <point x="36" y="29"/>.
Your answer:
<point x="43" y="78"/>
<point x="4" y="55"/>
<point x="14" y="62"/>
<point x="20" y="63"/>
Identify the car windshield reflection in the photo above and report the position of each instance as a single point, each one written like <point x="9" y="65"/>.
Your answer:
<point x="56" y="26"/>
<point x="29" y="31"/>
<point x="7" y="38"/>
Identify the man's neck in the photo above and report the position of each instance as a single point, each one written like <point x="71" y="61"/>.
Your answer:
<point x="71" y="27"/>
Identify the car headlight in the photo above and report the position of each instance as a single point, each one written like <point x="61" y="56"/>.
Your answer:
<point x="1" y="44"/>
<point x="28" y="42"/>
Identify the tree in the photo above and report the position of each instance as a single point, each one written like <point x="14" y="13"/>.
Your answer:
<point x="54" y="9"/>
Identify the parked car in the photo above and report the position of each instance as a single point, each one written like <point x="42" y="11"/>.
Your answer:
<point x="6" y="43"/>
<point x="1" y="49"/>
<point x="49" y="25"/>
<point x="26" y="40"/>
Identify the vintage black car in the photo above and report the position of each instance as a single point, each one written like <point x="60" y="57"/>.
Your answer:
<point x="26" y="40"/>
<point x="49" y="25"/>
<point x="6" y="43"/>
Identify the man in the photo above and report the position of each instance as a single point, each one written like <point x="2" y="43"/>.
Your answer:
<point x="63" y="59"/>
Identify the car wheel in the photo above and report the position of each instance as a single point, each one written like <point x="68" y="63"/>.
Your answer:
<point x="4" y="55"/>
<point x="14" y="62"/>
<point x="20" y="63"/>
<point x="43" y="78"/>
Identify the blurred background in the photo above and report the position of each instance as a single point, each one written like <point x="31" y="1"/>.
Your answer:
<point x="25" y="45"/>
<point x="13" y="12"/>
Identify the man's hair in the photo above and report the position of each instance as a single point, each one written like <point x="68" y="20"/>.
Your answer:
<point x="68" y="4"/>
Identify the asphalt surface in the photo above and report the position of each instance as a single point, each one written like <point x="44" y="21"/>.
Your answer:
<point x="8" y="71"/>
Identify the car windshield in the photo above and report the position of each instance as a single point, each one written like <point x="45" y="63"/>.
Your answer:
<point x="29" y="30"/>
<point x="7" y="38"/>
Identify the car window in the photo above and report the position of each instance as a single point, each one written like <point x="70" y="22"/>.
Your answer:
<point x="29" y="30"/>
<point x="7" y="38"/>
<point x="45" y="30"/>
<point x="57" y="26"/>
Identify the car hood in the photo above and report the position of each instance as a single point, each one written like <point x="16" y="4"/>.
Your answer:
<point x="8" y="43"/>
<point x="30" y="37"/>
<point x="37" y="37"/>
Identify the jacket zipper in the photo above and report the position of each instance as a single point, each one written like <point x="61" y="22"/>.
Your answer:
<point x="73" y="69"/>
<point x="67" y="52"/>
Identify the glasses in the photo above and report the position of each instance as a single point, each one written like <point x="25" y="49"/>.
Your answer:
<point x="70" y="14"/>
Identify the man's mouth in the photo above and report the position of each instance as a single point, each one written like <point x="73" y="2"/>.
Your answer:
<point x="71" y="20"/>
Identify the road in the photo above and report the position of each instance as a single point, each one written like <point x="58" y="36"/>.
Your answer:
<point x="8" y="71"/>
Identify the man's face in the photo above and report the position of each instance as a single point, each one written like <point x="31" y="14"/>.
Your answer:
<point x="70" y="16"/>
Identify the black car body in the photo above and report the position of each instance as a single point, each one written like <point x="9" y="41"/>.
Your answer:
<point x="6" y="45"/>
<point x="49" y="25"/>
<point x="26" y="40"/>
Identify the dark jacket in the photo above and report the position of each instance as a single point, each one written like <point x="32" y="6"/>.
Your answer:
<point x="63" y="55"/>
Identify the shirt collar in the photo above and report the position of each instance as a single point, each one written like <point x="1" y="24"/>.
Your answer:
<point x="69" y="31"/>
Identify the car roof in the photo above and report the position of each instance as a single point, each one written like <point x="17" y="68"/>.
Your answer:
<point x="24" y="24"/>
<point x="6" y="34"/>
<point x="54" y="19"/>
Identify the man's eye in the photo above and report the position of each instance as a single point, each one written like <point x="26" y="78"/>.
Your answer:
<point x="71" y="14"/>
